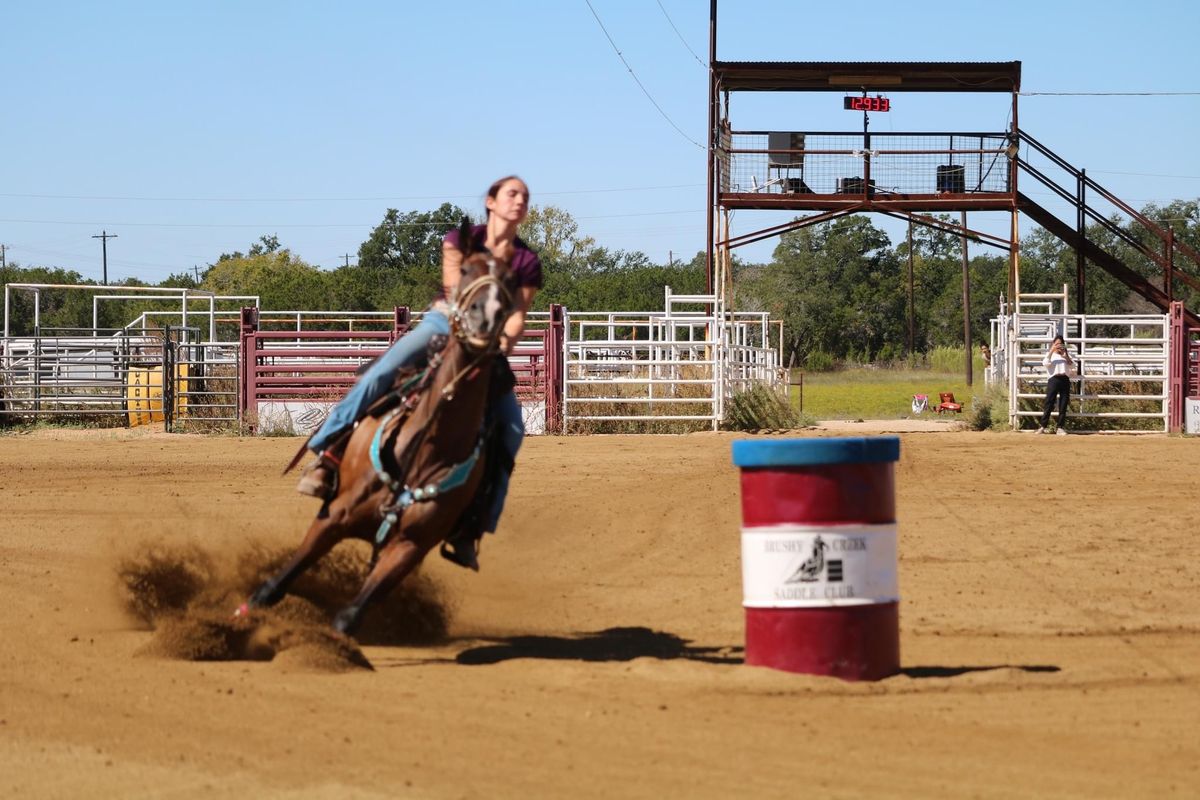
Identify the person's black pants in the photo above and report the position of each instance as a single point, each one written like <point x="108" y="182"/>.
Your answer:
<point x="1058" y="390"/>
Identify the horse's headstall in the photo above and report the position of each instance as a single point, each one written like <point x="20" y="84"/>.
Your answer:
<point x="463" y="297"/>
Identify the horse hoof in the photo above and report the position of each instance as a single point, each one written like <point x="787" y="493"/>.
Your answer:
<point x="344" y="622"/>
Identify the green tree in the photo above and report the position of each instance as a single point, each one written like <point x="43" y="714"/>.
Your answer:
<point x="280" y="280"/>
<point x="554" y="234"/>
<point x="841" y="287"/>
<point x="264" y="245"/>
<point x="400" y="263"/>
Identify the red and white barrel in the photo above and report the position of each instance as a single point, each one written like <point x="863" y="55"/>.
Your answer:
<point x="819" y="555"/>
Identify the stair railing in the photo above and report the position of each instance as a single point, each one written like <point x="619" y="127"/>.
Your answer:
<point x="1163" y="256"/>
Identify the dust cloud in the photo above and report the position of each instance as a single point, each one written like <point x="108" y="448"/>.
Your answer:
<point x="186" y="594"/>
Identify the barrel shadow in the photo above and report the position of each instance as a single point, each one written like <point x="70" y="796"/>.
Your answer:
<point x="611" y="644"/>
<point x="954" y="672"/>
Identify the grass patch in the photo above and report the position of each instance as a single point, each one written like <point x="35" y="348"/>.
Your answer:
<point x="878" y="393"/>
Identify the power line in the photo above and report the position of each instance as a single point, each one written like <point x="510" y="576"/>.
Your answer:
<point x="194" y="224"/>
<point x="680" y="35"/>
<point x="637" y="80"/>
<point x="331" y="199"/>
<point x="1108" y="94"/>
<point x="304" y="226"/>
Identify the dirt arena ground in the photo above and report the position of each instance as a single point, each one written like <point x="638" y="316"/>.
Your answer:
<point x="1050" y="632"/>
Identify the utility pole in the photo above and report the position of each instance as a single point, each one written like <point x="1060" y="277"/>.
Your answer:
<point x="3" y="256"/>
<point x="912" y="297"/>
<point x="196" y="270"/>
<point x="104" y="237"/>
<point x="347" y="257"/>
<point x="966" y="300"/>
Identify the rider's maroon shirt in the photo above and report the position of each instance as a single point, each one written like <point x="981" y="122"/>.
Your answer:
<point x="525" y="263"/>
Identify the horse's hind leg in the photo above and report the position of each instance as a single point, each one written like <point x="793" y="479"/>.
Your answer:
<point x="394" y="563"/>
<point x="322" y="535"/>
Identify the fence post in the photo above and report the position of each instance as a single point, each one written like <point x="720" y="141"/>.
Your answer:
<point x="168" y="379"/>
<point x="249" y="344"/>
<point x="553" y="355"/>
<point x="401" y="319"/>
<point x="1177" y="355"/>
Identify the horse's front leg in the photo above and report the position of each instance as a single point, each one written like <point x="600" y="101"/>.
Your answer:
<point x="396" y="560"/>
<point x="325" y="531"/>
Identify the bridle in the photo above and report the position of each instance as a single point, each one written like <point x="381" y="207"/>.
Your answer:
<point x="463" y="299"/>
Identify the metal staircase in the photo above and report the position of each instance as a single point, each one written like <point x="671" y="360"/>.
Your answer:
<point x="1179" y="263"/>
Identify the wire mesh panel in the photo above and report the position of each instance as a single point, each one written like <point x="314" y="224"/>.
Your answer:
<point x="839" y="163"/>
<point x="202" y="394"/>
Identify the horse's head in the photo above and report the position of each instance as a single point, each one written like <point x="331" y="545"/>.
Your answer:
<point x="484" y="298"/>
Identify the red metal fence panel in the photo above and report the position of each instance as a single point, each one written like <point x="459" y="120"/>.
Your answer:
<point x="321" y="366"/>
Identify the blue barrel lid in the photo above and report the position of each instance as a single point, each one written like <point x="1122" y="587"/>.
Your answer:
<point x="815" y="451"/>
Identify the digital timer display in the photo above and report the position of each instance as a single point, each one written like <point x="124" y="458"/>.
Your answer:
<point x="866" y="104"/>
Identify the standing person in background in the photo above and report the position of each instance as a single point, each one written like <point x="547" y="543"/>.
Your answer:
<point x="1058" y="364"/>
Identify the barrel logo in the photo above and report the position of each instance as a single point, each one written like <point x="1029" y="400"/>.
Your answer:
<point x="788" y="566"/>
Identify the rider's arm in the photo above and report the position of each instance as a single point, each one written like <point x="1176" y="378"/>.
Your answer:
<point x="452" y="260"/>
<point x="515" y="325"/>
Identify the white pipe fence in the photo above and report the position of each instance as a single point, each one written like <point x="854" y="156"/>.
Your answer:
<point x="669" y="366"/>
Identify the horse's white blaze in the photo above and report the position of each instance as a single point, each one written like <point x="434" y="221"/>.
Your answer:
<point x="492" y="307"/>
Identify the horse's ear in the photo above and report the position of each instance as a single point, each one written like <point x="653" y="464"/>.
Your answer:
<point x="465" y="241"/>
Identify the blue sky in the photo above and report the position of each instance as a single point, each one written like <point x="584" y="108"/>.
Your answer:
<point x="190" y="129"/>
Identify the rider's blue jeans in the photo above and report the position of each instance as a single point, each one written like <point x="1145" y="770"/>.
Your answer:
<point x="411" y="350"/>
<point x="506" y="411"/>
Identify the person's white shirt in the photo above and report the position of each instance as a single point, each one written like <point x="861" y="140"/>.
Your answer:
<point x="1056" y="363"/>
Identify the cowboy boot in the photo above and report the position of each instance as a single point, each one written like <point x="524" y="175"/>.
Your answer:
<point x="320" y="477"/>
<point x="462" y="548"/>
<point x="461" y="545"/>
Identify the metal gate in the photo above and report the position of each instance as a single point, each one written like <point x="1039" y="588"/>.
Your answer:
<point x="127" y="377"/>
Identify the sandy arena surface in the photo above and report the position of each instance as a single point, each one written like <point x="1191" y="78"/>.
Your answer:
<point x="1050" y="632"/>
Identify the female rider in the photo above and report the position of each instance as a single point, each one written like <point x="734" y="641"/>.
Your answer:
<point x="507" y="203"/>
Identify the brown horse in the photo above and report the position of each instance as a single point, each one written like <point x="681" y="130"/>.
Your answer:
<point x="407" y="477"/>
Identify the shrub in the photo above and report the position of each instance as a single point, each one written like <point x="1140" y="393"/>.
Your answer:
<point x="989" y="411"/>
<point x="760" y="408"/>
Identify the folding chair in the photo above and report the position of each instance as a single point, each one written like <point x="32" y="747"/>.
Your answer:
<point x="948" y="403"/>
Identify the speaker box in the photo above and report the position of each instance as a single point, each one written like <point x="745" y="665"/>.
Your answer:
<point x="852" y="186"/>
<point x="785" y="140"/>
<point x="951" y="178"/>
